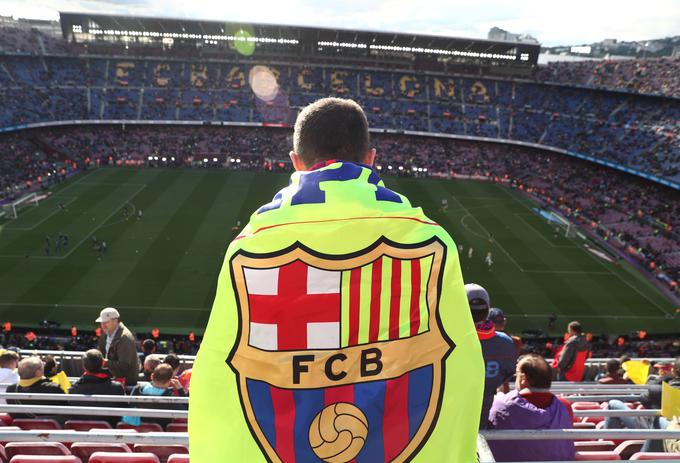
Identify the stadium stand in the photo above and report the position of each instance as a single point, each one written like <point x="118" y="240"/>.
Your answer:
<point x="67" y="109"/>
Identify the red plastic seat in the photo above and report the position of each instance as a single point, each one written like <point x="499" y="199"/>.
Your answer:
<point x="584" y="425"/>
<point x="35" y="448"/>
<point x="86" y="425"/>
<point x="176" y="427"/>
<point x="585" y="406"/>
<point x="627" y="448"/>
<point x="597" y="456"/>
<point x="178" y="459"/>
<point x="45" y="459"/>
<point x="144" y="427"/>
<point x="3" y="455"/>
<point x="656" y="456"/>
<point x="6" y="419"/>
<point x="28" y="424"/>
<point x="84" y="450"/>
<point x="109" y="457"/>
<point x="163" y="452"/>
<point x="595" y="446"/>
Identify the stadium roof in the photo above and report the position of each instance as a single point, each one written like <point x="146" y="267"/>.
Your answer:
<point x="310" y="39"/>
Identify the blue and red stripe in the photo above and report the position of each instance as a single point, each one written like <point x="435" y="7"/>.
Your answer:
<point x="395" y="409"/>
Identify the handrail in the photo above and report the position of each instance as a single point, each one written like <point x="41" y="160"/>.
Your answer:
<point x="156" y="438"/>
<point x="95" y="398"/>
<point x="573" y="434"/>
<point x="483" y="451"/>
<point x="92" y="411"/>
<point x="618" y="413"/>
<point x="600" y="398"/>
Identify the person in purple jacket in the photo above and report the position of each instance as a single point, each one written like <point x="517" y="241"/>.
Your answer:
<point x="531" y="405"/>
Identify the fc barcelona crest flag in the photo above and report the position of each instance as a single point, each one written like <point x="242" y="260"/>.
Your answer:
<point x="326" y="350"/>
<point x="339" y="358"/>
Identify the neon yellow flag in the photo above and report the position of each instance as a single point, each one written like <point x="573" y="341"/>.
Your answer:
<point x="340" y="332"/>
<point x="670" y="401"/>
<point x="637" y="370"/>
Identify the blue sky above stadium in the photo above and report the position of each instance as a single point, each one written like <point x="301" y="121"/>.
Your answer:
<point x="552" y="22"/>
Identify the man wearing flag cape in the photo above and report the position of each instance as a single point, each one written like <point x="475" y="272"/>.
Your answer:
<point x="340" y="331"/>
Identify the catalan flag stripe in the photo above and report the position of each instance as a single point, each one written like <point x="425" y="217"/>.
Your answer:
<point x="384" y="300"/>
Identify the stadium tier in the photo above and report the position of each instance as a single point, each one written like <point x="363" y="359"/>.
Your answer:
<point x="179" y="96"/>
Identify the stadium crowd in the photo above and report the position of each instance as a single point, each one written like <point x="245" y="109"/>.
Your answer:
<point x="631" y="129"/>
<point x="636" y="216"/>
<point x="653" y="75"/>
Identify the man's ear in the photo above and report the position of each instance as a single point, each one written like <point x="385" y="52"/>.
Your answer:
<point x="369" y="158"/>
<point x="298" y="164"/>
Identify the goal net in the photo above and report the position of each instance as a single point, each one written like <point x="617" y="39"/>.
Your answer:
<point x="12" y="210"/>
<point x="565" y="226"/>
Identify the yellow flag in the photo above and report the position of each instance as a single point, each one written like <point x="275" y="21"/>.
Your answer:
<point x="339" y="306"/>
<point x="670" y="401"/>
<point x="637" y="370"/>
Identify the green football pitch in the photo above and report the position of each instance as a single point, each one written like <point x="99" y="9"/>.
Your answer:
<point x="160" y="270"/>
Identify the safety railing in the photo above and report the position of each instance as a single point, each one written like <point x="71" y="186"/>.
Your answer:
<point x="92" y="411"/>
<point x="154" y="438"/>
<point x="131" y="399"/>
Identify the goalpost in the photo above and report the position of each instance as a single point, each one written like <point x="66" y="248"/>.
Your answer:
<point x="12" y="210"/>
<point x="562" y="223"/>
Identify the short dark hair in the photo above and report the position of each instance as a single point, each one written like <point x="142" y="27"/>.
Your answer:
<point x="148" y="346"/>
<point x="613" y="366"/>
<point x="162" y="373"/>
<point x="93" y="360"/>
<point x="575" y="327"/>
<point x="536" y="371"/>
<point x="331" y="128"/>
<point x="172" y="360"/>
<point x="50" y="365"/>
<point x="7" y="358"/>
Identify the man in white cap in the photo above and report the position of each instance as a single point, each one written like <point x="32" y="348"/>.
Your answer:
<point x="498" y="350"/>
<point x="119" y="347"/>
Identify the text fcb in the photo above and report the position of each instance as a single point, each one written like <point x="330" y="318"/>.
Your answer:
<point x="339" y="358"/>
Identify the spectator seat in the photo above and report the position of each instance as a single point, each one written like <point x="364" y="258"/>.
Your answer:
<point x="627" y="448"/>
<point x="176" y="427"/>
<point x="46" y="459"/>
<point x="595" y="446"/>
<point x="35" y="448"/>
<point x="184" y="458"/>
<point x="656" y="456"/>
<point x="163" y="452"/>
<point x="6" y="419"/>
<point x="144" y="427"/>
<point x="28" y="424"/>
<point x="84" y="450"/>
<point x="597" y="456"/>
<point x="113" y="457"/>
<point x="86" y="425"/>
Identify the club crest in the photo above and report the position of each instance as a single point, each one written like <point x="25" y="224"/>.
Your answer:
<point x="340" y="358"/>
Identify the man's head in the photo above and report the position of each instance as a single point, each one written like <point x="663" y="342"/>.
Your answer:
<point x="161" y="375"/>
<point x="31" y="367"/>
<point x="9" y="359"/>
<point x="93" y="361"/>
<point x="151" y="362"/>
<point x="574" y="328"/>
<point x="534" y="372"/>
<point x="148" y="346"/>
<point x="331" y="128"/>
<point x="478" y="299"/>
<point x="173" y="361"/>
<point x="497" y="316"/>
<point x="109" y="318"/>
<point x="613" y="366"/>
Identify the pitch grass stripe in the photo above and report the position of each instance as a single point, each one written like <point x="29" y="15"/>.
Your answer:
<point x="385" y="298"/>
<point x="56" y="271"/>
<point x="159" y="265"/>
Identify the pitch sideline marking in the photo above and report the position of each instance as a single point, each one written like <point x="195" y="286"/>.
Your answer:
<point x="87" y="235"/>
<point x="56" y="211"/>
<point x="519" y="216"/>
<point x="610" y="271"/>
